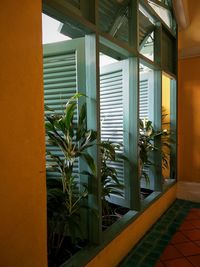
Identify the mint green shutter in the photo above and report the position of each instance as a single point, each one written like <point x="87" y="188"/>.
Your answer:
<point x="65" y="67"/>
<point x="61" y="65"/>
<point x="112" y="114"/>
<point x="146" y="107"/>
<point x="146" y="98"/>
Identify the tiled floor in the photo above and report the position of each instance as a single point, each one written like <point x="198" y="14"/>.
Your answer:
<point x="184" y="247"/>
<point x="174" y="241"/>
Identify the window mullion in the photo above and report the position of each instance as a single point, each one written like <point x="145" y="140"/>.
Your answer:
<point x="93" y="121"/>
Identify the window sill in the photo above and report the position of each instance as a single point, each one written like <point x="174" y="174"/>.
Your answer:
<point x="88" y="253"/>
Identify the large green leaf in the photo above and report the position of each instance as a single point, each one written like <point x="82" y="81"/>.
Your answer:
<point x="69" y="114"/>
<point x="90" y="161"/>
<point x="74" y="97"/>
<point x="82" y="114"/>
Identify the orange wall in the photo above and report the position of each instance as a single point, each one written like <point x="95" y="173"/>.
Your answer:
<point x="189" y="120"/>
<point x="189" y="95"/>
<point x="190" y="37"/>
<point x="22" y="148"/>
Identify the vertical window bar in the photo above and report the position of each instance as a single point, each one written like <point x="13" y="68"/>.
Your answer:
<point x="93" y="120"/>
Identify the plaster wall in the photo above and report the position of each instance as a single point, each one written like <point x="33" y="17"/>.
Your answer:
<point x="22" y="144"/>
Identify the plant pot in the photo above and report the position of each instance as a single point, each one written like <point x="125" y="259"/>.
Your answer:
<point x="108" y="220"/>
<point x="144" y="192"/>
<point x="121" y="211"/>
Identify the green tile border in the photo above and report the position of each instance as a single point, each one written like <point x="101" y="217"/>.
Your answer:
<point x="151" y="246"/>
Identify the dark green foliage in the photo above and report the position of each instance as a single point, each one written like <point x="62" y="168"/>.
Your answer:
<point x="65" y="195"/>
<point x="147" y="137"/>
<point x="110" y="183"/>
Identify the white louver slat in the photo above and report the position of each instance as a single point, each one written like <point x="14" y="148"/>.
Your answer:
<point x="111" y="109"/>
<point x="146" y="96"/>
<point x="146" y="111"/>
<point x="144" y="99"/>
<point x="60" y="83"/>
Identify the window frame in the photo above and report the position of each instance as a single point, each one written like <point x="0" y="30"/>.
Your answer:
<point x="87" y="21"/>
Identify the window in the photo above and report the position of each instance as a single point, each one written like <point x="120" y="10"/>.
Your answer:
<point x="123" y="58"/>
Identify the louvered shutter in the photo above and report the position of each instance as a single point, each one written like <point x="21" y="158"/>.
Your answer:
<point x="112" y="112"/>
<point x="60" y="71"/>
<point x="146" y="96"/>
<point x="146" y="106"/>
<point x="144" y="103"/>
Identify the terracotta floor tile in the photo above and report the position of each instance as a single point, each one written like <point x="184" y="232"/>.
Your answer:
<point x="170" y="252"/>
<point x="195" y="260"/>
<point x="178" y="237"/>
<point x="186" y="225"/>
<point x="197" y="242"/>
<point x="196" y="223"/>
<point x="192" y="234"/>
<point x="191" y="216"/>
<point x="188" y="249"/>
<point x="182" y="262"/>
<point x="159" y="264"/>
<point x="195" y="211"/>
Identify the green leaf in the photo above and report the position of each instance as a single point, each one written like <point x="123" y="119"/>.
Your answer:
<point x="74" y="97"/>
<point x="69" y="114"/>
<point x="49" y="126"/>
<point x="47" y="108"/>
<point x="146" y="176"/>
<point x="90" y="162"/>
<point x="149" y="125"/>
<point x="82" y="114"/>
<point x="141" y="124"/>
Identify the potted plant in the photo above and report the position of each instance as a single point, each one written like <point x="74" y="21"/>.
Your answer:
<point x="147" y="137"/>
<point x="167" y="144"/>
<point x="65" y="193"/>
<point x="110" y="183"/>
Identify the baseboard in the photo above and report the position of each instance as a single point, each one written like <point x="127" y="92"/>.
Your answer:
<point x="188" y="191"/>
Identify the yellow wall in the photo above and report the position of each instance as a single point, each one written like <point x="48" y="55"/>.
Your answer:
<point x="166" y="120"/>
<point x="120" y="246"/>
<point x="189" y="120"/>
<point x="22" y="150"/>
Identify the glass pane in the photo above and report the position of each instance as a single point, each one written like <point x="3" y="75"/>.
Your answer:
<point x="169" y="126"/>
<point x="162" y="12"/>
<point x="112" y="114"/>
<point x="63" y="77"/>
<point x="146" y="134"/>
<point x="113" y="16"/>
<point x="146" y="34"/>
<point x="166" y="127"/>
<point x="168" y="52"/>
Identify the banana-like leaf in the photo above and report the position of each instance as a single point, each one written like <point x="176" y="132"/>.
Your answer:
<point x="82" y="114"/>
<point x="47" y="108"/>
<point x="69" y="114"/>
<point x="74" y="97"/>
<point x="49" y="126"/>
<point x="90" y="161"/>
<point x="146" y="176"/>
